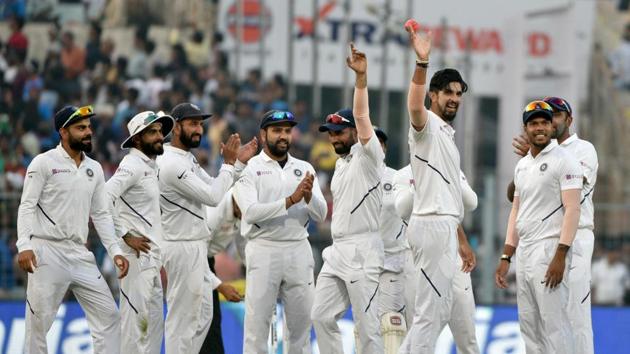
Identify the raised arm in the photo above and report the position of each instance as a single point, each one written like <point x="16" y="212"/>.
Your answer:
<point x="360" y="107"/>
<point x="421" y="44"/>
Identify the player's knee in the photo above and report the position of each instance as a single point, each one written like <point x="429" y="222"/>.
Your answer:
<point x="322" y="318"/>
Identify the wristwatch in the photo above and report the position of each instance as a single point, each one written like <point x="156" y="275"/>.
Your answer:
<point x="505" y="257"/>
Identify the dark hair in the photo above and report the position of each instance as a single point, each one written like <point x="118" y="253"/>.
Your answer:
<point x="444" y="77"/>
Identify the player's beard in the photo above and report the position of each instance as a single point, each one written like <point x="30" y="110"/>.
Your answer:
<point x="187" y="140"/>
<point x="449" y="115"/>
<point x="342" y="148"/>
<point x="559" y="131"/>
<point x="152" y="149"/>
<point x="82" y="144"/>
<point x="278" y="151"/>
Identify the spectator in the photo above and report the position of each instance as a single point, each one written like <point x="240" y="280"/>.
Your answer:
<point x="138" y="67"/>
<point x="93" y="53"/>
<point x="620" y="61"/>
<point x="610" y="279"/>
<point x="72" y="56"/>
<point x="197" y="49"/>
<point x="18" y="42"/>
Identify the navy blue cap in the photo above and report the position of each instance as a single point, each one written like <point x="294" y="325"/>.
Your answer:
<point x="188" y="110"/>
<point x="277" y="117"/>
<point x="338" y="121"/>
<point x="63" y="116"/>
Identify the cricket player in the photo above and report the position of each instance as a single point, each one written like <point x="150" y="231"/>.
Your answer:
<point x="392" y="280"/>
<point x="582" y="250"/>
<point x="185" y="188"/>
<point x="224" y="223"/>
<point x="134" y="197"/>
<point x="354" y="262"/>
<point x="462" y="320"/>
<point x="278" y="194"/>
<point x="63" y="190"/>
<point x="542" y="224"/>
<point x="437" y="206"/>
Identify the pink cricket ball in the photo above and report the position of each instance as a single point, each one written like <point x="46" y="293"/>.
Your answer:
<point x="413" y="23"/>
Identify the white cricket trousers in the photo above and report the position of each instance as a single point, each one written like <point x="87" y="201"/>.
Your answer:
<point x="141" y="303"/>
<point x="391" y="293"/>
<point x="188" y="295"/>
<point x="63" y="265"/>
<point x="580" y="291"/>
<point x="433" y="240"/>
<point x="462" y="320"/>
<point x="341" y="285"/>
<point x="278" y="269"/>
<point x="542" y="312"/>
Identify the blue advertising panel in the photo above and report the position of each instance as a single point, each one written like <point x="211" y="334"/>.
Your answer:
<point x="497" y="330"/>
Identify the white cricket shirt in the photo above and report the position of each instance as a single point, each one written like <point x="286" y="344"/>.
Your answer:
<point x="355" y="188"/>
<point x="224" y="226"/>
<point x="59" y="199"/>
<point x="392" y="227"/>
<point x="260" y="194"/>
<point x="539" y="184"/>
<point x="586" y="155"/>
<point x="134" y="197"/>
<point x="404" y="190"/>
<point x="184" y="189"/>
<point x="435" y="165"/>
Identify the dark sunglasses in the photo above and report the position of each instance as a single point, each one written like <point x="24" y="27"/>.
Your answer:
<point x="281" y="115"/>
<point x="334" y="118"/>
<point x="559" y="104"/>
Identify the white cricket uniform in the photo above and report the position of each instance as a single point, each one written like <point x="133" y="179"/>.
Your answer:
<point x="134" y="197"/>
<point x="432" y="233"/>
<point x="539" y="183"/>
<point x="58" y="200"/>
<point x="462" y="319"/>
<point x="354" y="262"/>
<point x="279" y="259"/>
<point x="582" y="250"/>
<point x="224" y="227"/>
<point x="392" y="231"/>
<point x="185" y="188"/>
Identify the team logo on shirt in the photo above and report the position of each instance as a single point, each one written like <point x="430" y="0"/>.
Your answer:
<point x="89" y="172"/>
<point x="543" y="167"/>
<point x="387" y="187"/>
<point x="297" y="172"/>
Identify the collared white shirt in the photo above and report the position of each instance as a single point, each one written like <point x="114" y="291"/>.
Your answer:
<point x="435" y="166"/>
<point x="586" y="155"/>
<point x="261" y="193"/>
<point x="184" y="189"/>
<point x="224" y="226"/>
<point x="355" y="189"/>
<point x="59" y="199"/>
<point x="392" y="227"/>
<point x="404" y="190"/>
<point x="539" y="183"/>
<point x="134" y="197"/>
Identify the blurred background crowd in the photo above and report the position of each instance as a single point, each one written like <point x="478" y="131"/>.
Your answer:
<point x="124" y="57"/>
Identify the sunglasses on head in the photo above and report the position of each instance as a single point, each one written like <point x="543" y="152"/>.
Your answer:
<point x="559" y="104"/>
<point x="280" y="115"/>
<point x="334" y="118"/>
<point x="151" y="117"/>
<point x="84" y="111"/>
<point x="535" y="105"/>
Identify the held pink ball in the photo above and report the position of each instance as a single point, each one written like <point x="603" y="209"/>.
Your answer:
<point x="413" y="23"/>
